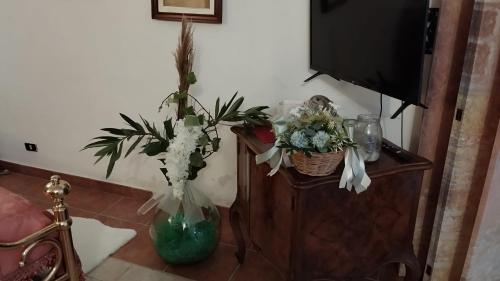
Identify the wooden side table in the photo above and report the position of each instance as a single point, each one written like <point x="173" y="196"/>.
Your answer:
<point x="309" y="229"/>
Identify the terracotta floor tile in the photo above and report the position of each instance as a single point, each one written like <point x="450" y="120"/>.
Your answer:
<point x="218" y="267"/>
<point x="110" y="269"/>
<point x="24" y="185"/>
<point x="226" y="235"/>
<point x="126" y="209"/>
<point x="43" y="204"/>
<point x="136" y="273"/>
<point x="7" y="181"/>
<point x="12" y="179"/>
<point x="91" y="199"/>
<point x="256" y="268"/>
<point x="77" y="212"/>
<point x="140" y="251"/>
<point x="35" y="187"/>
<point x="46" y="203"/>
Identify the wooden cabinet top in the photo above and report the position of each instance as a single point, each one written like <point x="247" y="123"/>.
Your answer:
<point x="388" y="164"/>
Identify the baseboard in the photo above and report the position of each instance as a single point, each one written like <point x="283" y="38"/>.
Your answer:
<point x="77" y="180"/>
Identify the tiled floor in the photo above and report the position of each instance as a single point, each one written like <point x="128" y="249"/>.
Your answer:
<point x="120" y="211"/>
<point x="120" y="270"/>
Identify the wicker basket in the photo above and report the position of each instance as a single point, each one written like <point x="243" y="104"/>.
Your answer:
<point x="319" y="164"/>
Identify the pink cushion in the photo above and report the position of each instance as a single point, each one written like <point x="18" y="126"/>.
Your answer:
<point x="18" y="219"/>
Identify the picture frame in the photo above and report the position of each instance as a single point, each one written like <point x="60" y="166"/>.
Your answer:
<point x="204" y="11"/>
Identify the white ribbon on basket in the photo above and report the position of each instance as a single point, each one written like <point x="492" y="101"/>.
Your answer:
<point x="275" y="155"/>
<point x="354" y="173"/>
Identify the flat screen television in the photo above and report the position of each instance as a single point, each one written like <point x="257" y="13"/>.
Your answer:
<point x="376" y="44"/>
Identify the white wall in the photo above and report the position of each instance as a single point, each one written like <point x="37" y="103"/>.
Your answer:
<point x="67" y="68"/>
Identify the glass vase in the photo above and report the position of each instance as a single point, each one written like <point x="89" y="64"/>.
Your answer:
<point x="186" y="231"/>
<point x="368" y="135"/>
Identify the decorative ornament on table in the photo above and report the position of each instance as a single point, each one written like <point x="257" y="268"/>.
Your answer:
<point x="316" y="139"/>
<point x="320" y="102"/>
<point x="186" y="225"/>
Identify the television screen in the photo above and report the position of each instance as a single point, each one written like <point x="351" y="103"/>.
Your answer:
<point x="377" y="44"/>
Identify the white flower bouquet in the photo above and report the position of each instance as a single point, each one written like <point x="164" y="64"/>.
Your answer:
<point x="186" y="225"/>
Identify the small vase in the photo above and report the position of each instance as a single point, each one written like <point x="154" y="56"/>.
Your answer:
<point x="186" y="231"/>
<point x="368" y="136"/>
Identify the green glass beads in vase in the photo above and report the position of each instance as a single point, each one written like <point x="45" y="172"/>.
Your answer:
<point x="187" y="231"/>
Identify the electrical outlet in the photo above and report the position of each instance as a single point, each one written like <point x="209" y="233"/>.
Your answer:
<point x="30" y="147"/>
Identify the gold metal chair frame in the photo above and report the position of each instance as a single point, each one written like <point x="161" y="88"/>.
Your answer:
<point x="56" y="189"/>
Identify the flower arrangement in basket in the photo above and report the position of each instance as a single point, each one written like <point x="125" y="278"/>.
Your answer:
<point x="315" y="139"/>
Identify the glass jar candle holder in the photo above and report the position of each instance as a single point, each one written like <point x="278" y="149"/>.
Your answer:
<point x="368" y="135"/>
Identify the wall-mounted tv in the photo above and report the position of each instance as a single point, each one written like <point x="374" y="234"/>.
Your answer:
<point x="376" y="44"/>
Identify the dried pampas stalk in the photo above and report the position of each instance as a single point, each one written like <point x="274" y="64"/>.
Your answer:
<point x="184" y="56"/>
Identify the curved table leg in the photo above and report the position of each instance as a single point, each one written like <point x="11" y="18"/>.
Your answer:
<point x="407" y="258"/>
<point x="234" y="218"/>
<point x="413" y="268"/>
